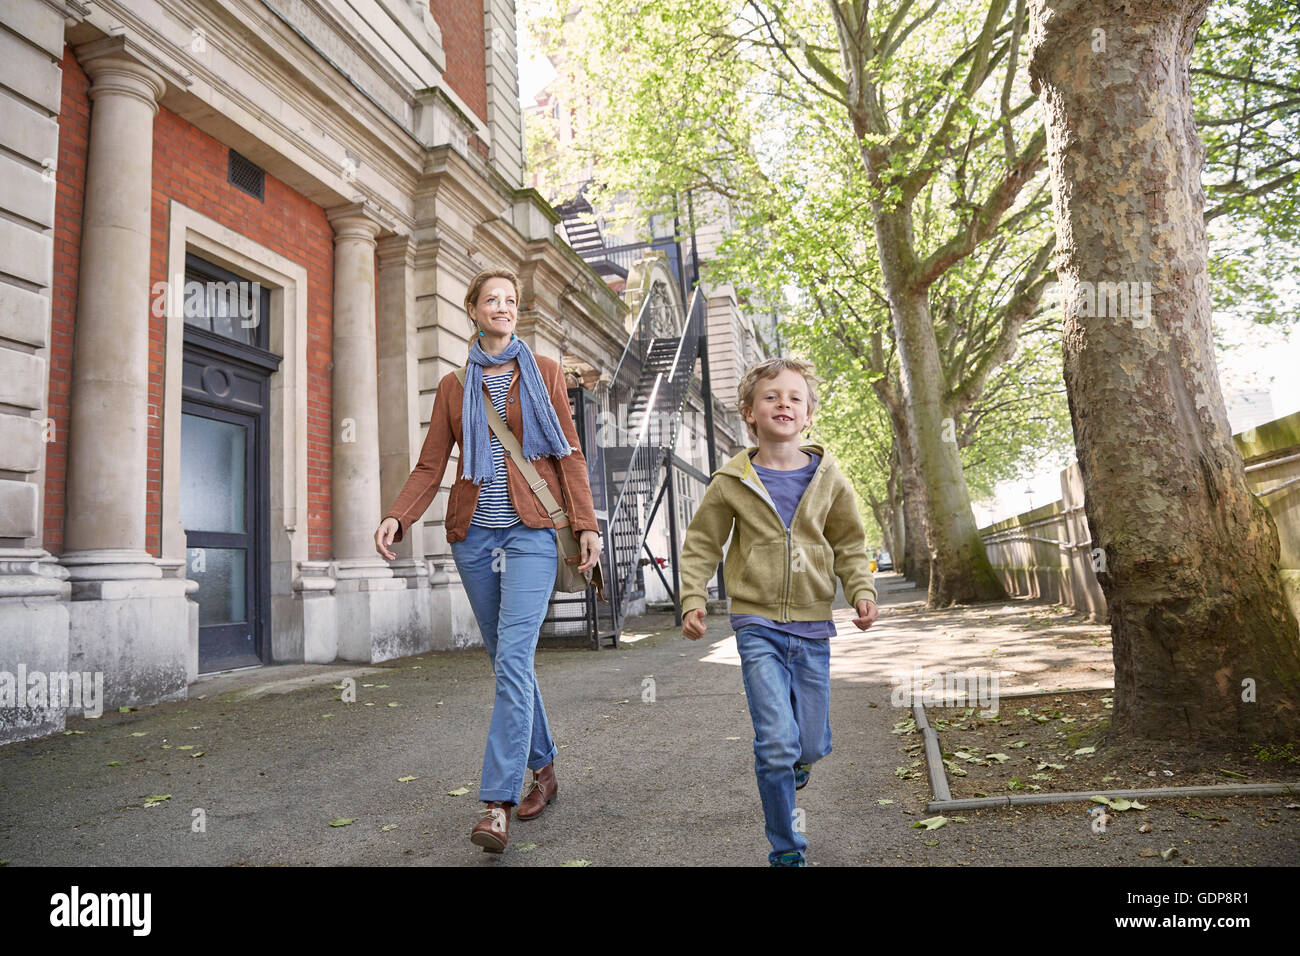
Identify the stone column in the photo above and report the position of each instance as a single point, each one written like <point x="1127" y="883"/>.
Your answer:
<point x="400" y="433"/>
<point x="108" y="427"/>
<point x="366" y="602"/>
<point x="127" y="620"/>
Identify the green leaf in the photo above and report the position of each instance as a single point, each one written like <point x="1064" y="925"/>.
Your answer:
<point x="140" y="733"/>
<point x="931" y="823"/>
<point x="576" y="863"/>
<point x="393" y="703"/>
<point x="1085" y="750"/>
<point x="884" y="803"/>
<point x="1017" y="745"/>
<point x="458" y="792"/>
<point x="405" y="779"/>
<point x="1233" y="773"/>
<point x="1000" y="758"/>
<point x="114" y="763"/>
<point x="525" y="847"/>
<point x="344" y="821"/>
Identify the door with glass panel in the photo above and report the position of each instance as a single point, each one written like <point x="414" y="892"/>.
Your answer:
<point x="225" y="454"/>
<point x="218" y="449"/>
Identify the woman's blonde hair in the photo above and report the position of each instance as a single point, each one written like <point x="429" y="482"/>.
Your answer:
<point x="476" y="286"/>
<point x="771" y="369"/>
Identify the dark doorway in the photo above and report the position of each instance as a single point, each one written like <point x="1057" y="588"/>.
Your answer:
<point x="225" y="463"/>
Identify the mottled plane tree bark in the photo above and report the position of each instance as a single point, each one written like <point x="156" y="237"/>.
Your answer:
<point x="1205" y="644"/>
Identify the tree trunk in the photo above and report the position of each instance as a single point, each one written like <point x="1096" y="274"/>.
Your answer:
<point x="914" y="561"/>
<point x="960" y="572"/>
<point x="1198" y="614"/>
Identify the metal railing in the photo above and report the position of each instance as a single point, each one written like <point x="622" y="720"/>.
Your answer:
<point x="662" y="387"/>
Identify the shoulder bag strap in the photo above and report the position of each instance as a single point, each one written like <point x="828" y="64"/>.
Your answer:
<point x="511" y="444"/>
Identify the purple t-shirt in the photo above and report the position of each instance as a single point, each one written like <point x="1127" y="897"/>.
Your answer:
<point x="786" y="488"/>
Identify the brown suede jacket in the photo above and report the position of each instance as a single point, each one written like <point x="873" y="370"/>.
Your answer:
<point x="565" y="477"/>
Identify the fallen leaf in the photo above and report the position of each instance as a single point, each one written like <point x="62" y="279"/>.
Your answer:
<point x="1148" y="852"/>
<point x="141" y="733"/>
<point x="576" y="863"/>
<point x="1018" y="744"/>
<point x="1169" y="854"/>
<point x="343" y="821"/>
<point x="114" y="763"/>
<point x="525" y="847"/>
<point x="1085" y="750"/>
<point x="1144" y="828"/>
<point x="387" y="826"/>
<point x="1000" y="758"/>
<point x="884" y="803"/>
<point x="405" y="779"/>
<point x="933" y="823"/>
<point x="1228" y="773"/>
<point x="458" y="792"/>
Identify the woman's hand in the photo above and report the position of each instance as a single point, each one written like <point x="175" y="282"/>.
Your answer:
<point x="384" y="537"/>
<point x="590" y="548"/>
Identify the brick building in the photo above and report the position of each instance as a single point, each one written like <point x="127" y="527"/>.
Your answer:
<point x="236" y="240"/>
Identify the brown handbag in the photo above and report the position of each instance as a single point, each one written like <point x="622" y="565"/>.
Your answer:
<point x="569" y="552"/>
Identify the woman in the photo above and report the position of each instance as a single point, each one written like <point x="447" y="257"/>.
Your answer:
<point x="502" y="539"/>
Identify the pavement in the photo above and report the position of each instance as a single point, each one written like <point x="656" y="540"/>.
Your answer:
<point x="655" y="765"/>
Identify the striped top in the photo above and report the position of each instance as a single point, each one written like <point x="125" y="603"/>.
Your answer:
<point x="494" y="508"/>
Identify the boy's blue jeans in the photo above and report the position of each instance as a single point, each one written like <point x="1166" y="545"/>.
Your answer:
<point x="509" y="574"/>
<point x="788" y="684"/>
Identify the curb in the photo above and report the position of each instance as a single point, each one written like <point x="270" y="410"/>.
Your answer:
<point x="1155" y="793"/>
<point x="942" y="795"/>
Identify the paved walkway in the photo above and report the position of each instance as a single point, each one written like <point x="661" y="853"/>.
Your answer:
<point x="662" y="782"/>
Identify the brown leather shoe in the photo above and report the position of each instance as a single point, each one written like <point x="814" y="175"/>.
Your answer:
<point x="493" y="831"/>
<point x="541" y="792"/>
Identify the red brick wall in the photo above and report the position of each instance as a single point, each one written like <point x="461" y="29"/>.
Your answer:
<point x="190" y="166"/>
<point x="465" y="44"/>
<point x="70" y="183"/>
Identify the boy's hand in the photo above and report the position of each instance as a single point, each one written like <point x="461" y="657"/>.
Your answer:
<point x="693" y="624"/>
<point x="867" y="614"/>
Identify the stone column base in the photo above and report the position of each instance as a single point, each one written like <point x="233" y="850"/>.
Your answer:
<point x="454" y="624"/>
<point x="130" y="624"/>
<point x="33" y="640"/>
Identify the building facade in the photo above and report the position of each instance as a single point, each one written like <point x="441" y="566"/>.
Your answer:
<point x="236" y="243"/>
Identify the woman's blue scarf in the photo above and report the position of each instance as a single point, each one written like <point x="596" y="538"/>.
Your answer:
<point x="543" y="435"/>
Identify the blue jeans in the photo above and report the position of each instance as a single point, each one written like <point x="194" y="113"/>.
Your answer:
<point x="509" y="574"/>
<point x="788" y="685"/>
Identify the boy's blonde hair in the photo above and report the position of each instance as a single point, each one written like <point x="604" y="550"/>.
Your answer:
<point x="771" y="369"/>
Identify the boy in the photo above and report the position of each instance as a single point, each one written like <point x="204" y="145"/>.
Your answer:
<point x="794" y="528"/>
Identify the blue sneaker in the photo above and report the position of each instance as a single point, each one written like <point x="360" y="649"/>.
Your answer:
<point x="802" y="771"/>
<point x="788" y="858"/>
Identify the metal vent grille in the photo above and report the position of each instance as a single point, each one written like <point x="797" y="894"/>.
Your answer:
<point x="247" y="175"/>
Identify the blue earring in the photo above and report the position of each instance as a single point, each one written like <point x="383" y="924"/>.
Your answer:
<point x="512" y="336"/>
<point x="480" y="333"/>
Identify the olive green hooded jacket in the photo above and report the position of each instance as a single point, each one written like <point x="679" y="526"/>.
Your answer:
<point x="783" y="574"/>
